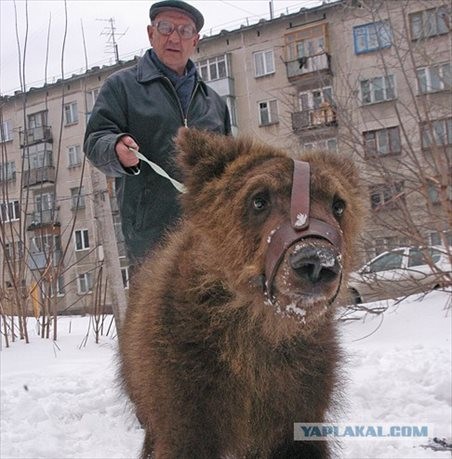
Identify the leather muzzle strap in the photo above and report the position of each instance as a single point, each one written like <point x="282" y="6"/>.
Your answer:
<point x="300" y="226"/>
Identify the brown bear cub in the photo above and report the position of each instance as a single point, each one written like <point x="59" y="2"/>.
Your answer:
<point x="229" y="337"/>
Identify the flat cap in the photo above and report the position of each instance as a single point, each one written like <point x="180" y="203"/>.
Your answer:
<point x="185" y="7"/>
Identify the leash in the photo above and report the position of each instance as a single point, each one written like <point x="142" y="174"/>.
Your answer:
<point x="179" y="186"/>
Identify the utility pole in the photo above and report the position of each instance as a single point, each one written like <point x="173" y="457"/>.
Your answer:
<point x="112" y="36"/>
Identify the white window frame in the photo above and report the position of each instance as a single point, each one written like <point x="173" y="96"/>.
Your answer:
<point x="425" y="77"/>
<point x="74" y="154"/>
<point x="6" y="131"/>
<point x="264" y="63"/>
<point x="9" y="211"/>
<point x="387" y="88"/>
<point x="81" y="240"/>
<point x="213" y="68"/>
<point x="84" y="283"/>
<point x="270" y="110"/>
<point x="71" y="113"/>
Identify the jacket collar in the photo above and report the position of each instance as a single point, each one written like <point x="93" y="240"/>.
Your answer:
<point x="148" y="71"/>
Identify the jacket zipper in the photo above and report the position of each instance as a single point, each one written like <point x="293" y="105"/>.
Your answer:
<point x="184" y="118"/>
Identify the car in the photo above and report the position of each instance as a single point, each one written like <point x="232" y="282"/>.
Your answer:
<point x="401" y="272"/>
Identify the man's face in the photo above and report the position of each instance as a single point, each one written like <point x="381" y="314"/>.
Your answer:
<point x="173" y="50"/>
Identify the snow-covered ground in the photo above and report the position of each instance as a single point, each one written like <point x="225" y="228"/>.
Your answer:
<point x="63" y="402"/>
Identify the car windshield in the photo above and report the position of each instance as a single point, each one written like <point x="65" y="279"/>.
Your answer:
<point x="391" y="260"/>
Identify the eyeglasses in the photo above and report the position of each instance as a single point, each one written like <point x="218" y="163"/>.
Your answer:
<point x="185" y="31"/>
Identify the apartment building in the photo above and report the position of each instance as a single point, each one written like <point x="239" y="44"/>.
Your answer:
<point x="370" y="79"/>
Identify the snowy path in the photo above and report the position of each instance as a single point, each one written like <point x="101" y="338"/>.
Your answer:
<point x="64" y="403"/>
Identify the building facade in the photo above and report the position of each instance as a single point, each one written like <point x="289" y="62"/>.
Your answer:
<point x="370" y="79"/>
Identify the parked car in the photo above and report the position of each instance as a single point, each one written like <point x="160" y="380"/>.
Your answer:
<point x="401" y="272"/>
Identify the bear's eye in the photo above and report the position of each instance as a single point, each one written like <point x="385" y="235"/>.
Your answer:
<point x="338" y="207"/>
<point x="260" y="203"/>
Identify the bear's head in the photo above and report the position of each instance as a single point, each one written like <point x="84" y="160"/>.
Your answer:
<point x="281" y="239"/>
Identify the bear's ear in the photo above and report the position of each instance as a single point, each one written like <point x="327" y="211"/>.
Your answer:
<point x="203" y="156"/>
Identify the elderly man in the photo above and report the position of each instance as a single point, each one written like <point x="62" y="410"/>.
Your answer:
<point x="142" y="107"/>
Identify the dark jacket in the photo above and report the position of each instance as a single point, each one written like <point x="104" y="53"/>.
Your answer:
<point x="141" y="102"/>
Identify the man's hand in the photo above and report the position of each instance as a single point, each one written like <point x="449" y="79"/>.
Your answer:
<point x="125" y="156"/>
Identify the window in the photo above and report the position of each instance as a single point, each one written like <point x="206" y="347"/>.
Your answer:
<point x="71" y="113"/>
<point x="125" y="277"/>
<point x="429" y="23"/>
<point x="213" y="69"/>
<point x="77" y="198"/>
<point x="435" y="238"/>
<point x="434" y="78"/>
<point x="315" y="99"/>
<point x="74" y="155"/>
<point x="377" y="89"/>
<point x="327" y="144"/>
<point x="46" y="243"/>
<point x="44" y="202"/>
<point x="439" y="133"/>
<point x="268" y="112"/>
<point x="382" y="142"/>
<point x="38" y="119"/>
<point x="85" y="283"/>
<point x="9" y="211"/>
<point x="8" y="171"/>
<point x="385" y="196"/>
<point x="373" y="36"/>
<point x="91" y="97"/>
<point x="81" y="240"/>
<point x="38" y="156"/>
<point x="264" y="63"/>
<point x="48" y="288"/>
<point x="14" y="250"/>
<point x="387" y="261"/>
<point x="6" y="131"/>
<point x="433" y="193"/>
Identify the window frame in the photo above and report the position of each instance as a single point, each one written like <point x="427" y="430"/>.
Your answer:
<point x="85" y="280"/>
<point x="387" y="86"/>
<point x="6" y="131"/>
<point x="81" y="240"/>
<point x="71" y="113"/>
<point x="389" y="195"/>
<point x="378" y="152"/>
<point x="265" y="71"/>
<point x="11" y="210"/>
<point x="423" y="19"/>
<point x="271" y="111"/>
<point x="74" y="152"/>
<point x="369" y="28"/>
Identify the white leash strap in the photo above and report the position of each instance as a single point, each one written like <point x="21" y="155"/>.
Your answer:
<point x="179" y="186"/>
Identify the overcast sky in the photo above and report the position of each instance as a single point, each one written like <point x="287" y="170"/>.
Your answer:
<point x="131" y="18"/>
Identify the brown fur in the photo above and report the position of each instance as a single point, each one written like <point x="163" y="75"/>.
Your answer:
<point x="213" y="368"/>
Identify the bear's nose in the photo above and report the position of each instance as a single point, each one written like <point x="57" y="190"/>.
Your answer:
<point x="315" y="264"/>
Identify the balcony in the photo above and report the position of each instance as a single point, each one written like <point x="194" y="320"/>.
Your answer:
<point x="307" y="65"/>
<point x="315" y="118"/>
<point x="35" y="135"/>
<point x="40" y="219"/>
<point x="41" y="260"/>
<point x="223" y="87"/>
<point x="39" y="175"/>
